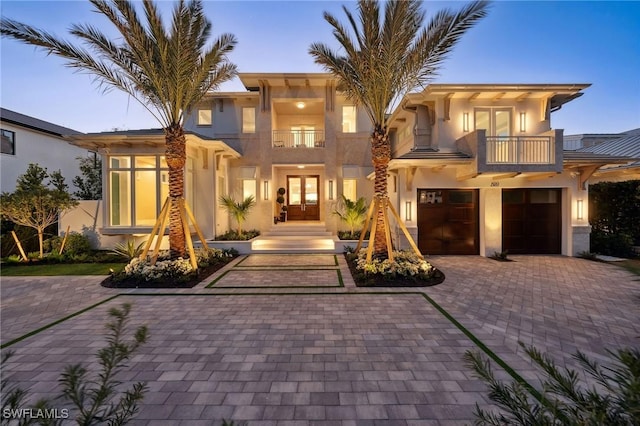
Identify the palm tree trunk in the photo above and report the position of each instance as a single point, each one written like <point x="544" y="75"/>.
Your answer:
<point x="176" y="158"/>
<point x="381" y="155"/>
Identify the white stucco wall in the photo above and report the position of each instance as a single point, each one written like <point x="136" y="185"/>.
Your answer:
<point x="36" y="147"/>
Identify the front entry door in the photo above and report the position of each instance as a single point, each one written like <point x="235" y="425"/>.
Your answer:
<point x="302" y="199"/>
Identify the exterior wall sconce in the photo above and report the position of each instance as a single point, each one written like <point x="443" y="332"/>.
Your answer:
<point x="407" y="211"/>
<point x="523" y="121"/>
<point x="580" y="208"/>
<point x="265" y="190"/>
<point x="465" y="122"/>
<point x="331" y="189"/>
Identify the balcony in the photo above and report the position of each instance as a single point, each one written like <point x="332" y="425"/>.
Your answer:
<point x="507" y="154"/>
<point x="298" y="139"/>
<point x="525" y="150"/>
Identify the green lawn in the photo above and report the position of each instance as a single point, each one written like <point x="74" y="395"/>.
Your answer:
<point x="60" y="269"/>
<point x="631" y="265"/>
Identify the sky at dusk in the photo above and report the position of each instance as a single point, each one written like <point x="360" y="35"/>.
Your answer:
<point x="519" y="42"/>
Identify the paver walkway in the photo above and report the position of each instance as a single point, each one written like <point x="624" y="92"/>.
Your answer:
<point x="307" y="351"/>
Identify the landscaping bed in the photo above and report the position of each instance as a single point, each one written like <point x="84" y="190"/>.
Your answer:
<point x="397" y="275"/>
<point x="185" y="281"/>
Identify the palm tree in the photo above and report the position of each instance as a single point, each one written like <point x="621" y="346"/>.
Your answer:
<point x="238" y="209"/>
<point x="352" y="213"/>
<point x="388" y="56"/>
<point x="167" y="70"/>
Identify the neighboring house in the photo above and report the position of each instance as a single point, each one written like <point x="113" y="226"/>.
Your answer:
<point x="29" y="140"/>
<point x="621" y="144"/>
<point x="476" y="168"/>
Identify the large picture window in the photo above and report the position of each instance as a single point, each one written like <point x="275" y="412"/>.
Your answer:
<point x="8" y="142"/>
<point x="138" y="185"/>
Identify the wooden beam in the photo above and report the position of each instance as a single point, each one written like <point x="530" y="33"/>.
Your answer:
<point x="498" y="96"/>
<point x="523" y="97"/>
<point x="447" y="106"/>
<point x="466" y="177"/>
<point x="411" y="173"/>
<point x="473" y="97"/>
<point x="585" y="174"/>
<point x="541" y="176"/>
<point x="505" y="176"/>
<point x="438" y="168"/>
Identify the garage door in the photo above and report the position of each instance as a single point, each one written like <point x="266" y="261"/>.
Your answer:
<point x="448" y="221"/>
<point x="531" y="221"/>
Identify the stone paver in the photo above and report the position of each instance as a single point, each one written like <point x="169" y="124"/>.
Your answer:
<point x="280" y="358"/>
<point x="288" y="260"/>
<point x="559" y="304"/>
<point x="326" y="355"/>
<point x="259" y="278"/>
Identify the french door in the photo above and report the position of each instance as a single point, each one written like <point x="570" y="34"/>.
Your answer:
<point x="302" y="198"/>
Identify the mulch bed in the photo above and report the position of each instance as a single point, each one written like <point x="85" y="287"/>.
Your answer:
<point x="190" y="282"/>
<point x="379" y="280"/>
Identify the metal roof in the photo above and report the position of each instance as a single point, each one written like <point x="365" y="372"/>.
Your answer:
<point x="624" y="146"/>
<point x="35" y="124"/>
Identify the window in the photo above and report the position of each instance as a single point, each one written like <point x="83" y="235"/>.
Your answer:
<point x="8" y="142"/>
<point x="496" y="121"/>
<point x="248" y="120"/>
<point x="204" y="117"/>
<point x="249" y="188"/>
<point x="348" y="119"/>
<point x="138" y="186"/>
<point x="349" y="189"/>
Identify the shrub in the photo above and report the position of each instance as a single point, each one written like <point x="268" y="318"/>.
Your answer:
<point x="76" y="244"/>
<point x="233" y="235"/>
<point x="612" y="244"/>
<point x="566" y="400"/>
<point x="128" y="250"/>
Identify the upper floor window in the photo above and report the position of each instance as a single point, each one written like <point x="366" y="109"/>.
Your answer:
<point x="248" y="120"/>
<point x="204" y="117"/>
<point x="348" y="119"/>
<point x="496" y="121"/>
<point x="349" y="189"/>
<point x="8" y="142"/>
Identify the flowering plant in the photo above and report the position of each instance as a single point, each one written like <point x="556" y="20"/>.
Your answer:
<point x="405" y="263"/>
<point x="166" y="268"/>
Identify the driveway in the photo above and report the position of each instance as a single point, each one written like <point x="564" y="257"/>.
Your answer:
<point x="289" y="339"/>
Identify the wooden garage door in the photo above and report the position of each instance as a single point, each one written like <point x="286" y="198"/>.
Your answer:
<point x="531" y="221"/>
<point x="448" y="221"/>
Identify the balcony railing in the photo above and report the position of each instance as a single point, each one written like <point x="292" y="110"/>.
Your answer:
<point x="520" y="150"/>
<point x="298" y="139"/>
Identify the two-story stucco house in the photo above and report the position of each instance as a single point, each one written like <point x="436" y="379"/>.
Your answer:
<point x="27" y="140"/>
<point x="476" y="168"/>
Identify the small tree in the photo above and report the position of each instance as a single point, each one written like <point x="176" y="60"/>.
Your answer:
<point x="238" y="209"/>
<point x="352" y="213"/>
<point x="36" y="204"/>
<point x="89" y="184"/>
<point x="566" y="399"/>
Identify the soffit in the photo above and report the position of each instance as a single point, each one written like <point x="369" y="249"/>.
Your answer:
<point x="252" y="81"/>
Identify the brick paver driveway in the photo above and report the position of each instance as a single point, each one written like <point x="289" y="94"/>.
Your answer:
<point x="296" y="353"/>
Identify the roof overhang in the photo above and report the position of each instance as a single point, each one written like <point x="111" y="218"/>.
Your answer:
<point x="152" y="138"/>
<point x="253" y="81"/>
